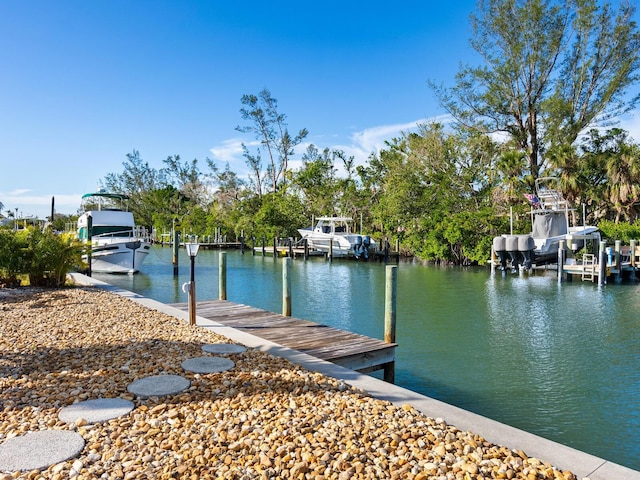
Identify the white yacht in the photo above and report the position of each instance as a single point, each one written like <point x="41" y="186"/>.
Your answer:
<point x="118" y="246"/>
<point x="333" y="233"/>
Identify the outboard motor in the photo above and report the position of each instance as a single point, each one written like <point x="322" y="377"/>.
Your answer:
<point x="357" y="249"/>
<point x="511" y="244"/>
<point x="526" y="245"/>
<point x="366" y="243"/>
<point x="499" y="246"/>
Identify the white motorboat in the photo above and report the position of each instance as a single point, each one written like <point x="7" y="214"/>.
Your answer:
<point x="333" y="235"/>
<point x="550" y="214"/>
<point x="118" y="245"/>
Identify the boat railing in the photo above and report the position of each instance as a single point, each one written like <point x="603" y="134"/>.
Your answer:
<point x="137" y="232"/>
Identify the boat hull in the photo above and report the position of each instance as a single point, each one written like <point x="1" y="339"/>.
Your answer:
<point x="339" y="245"/>
<point x="119" y="257"/>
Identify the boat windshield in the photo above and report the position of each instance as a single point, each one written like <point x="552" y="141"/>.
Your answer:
<point x="112" y="230"/>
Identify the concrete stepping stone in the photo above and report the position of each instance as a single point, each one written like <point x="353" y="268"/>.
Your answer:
<point x="39" y="450"/>
<point x="158" y="385"/>
<point x="222" y="348"/>
<point x="95" y="411"/>
<point x="207" y="364"/>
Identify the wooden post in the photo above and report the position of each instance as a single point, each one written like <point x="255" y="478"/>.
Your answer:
<point x="263" y="242"/>
<point x="176" y="248"/>
<point x="618" y="260"/>
<point x="222" y="276"/>
<point x="286" y="286"/>
<point x="253" y="245"/>
<point x="305" y="242"/>
<point x="390" y="316"/>
<point x="291" y="247"/>
<point x="560" y="260"/>
<point x="192" y="303"/>
<point x="632" y="258"/>
<point x="242" y="245"/>
<point x="275" y="247"/>
<point x="330" y="250"/>
<point x="602" y="260"/>
<point x="89" y="241"/>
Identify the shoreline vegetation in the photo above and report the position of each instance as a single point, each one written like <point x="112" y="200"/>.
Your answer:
<point x="264" y="418"/>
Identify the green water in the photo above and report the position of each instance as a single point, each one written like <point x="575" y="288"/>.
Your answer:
<point x="558" y="360"/>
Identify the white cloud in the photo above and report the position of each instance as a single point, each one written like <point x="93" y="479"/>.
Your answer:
<point x="631" y="123"/>
<point x="228" y="151"/>
<point x="359" y="144"/>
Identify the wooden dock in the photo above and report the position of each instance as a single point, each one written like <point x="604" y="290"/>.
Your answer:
<point x="350" y="350"/>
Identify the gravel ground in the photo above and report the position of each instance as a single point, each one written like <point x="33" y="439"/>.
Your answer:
<point x="265" y="418"/>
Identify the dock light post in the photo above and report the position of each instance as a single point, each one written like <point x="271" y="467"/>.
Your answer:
<point x="192" y="251"/>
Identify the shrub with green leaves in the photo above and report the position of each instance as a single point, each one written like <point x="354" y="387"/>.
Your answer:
<point x="619" y="231"/>
<point x="44" y="257"/>
<point x="11" y="258"/>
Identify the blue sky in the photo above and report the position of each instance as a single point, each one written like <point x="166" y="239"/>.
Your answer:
<point x="83" y="83"/>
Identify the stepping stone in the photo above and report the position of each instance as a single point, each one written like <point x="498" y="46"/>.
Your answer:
<point x="158" y="385"/>
<point x="39" y="450"/>
<point x="223" y="348"/>
<point x="95" y="411"/>
<point x="207" y="364"/>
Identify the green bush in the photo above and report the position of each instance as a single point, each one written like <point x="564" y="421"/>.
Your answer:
<point x="619" y="231"/>
<point x="44" y="257"/>
<point x="11" y="258"/>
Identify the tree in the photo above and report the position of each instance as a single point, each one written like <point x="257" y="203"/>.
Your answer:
<point x="316" y="181"/>
<point x="611" y="170"/>
<point x="552" y="68"/>
<point x="137" y="180"/>
<point x="187" y="178"/>
<point x="269" y="128"/>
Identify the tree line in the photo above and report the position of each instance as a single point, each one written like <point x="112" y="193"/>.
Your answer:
<point x="552" y="79"/>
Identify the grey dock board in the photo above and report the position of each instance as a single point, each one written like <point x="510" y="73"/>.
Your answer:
<point x="352" y="350"/>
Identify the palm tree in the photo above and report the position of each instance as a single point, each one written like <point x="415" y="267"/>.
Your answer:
<point x="510" y="167"/>
<point x="623" y="170"/>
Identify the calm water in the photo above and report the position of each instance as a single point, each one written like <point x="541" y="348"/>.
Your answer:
<point x="560" y="361"/>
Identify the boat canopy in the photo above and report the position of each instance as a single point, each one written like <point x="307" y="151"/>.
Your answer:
<point x="104" y="201"/>
<point x="112" y="196"/>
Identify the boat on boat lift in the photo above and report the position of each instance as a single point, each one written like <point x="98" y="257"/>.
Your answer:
<point x="550" y="214"/>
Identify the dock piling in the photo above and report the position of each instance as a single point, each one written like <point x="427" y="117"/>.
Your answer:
<point x="561" y="254"/>
<point x="390" y="316"/>
<point x="89" y="241"/>
<point x="174" y="258"/>
<point x="286" y="286"/>
<point x="618" y="260"/>
<point x="602" y="260"/>
<point x="222" y="276"/>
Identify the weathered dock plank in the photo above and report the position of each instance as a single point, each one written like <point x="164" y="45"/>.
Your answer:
<point x="351" y="350"/>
